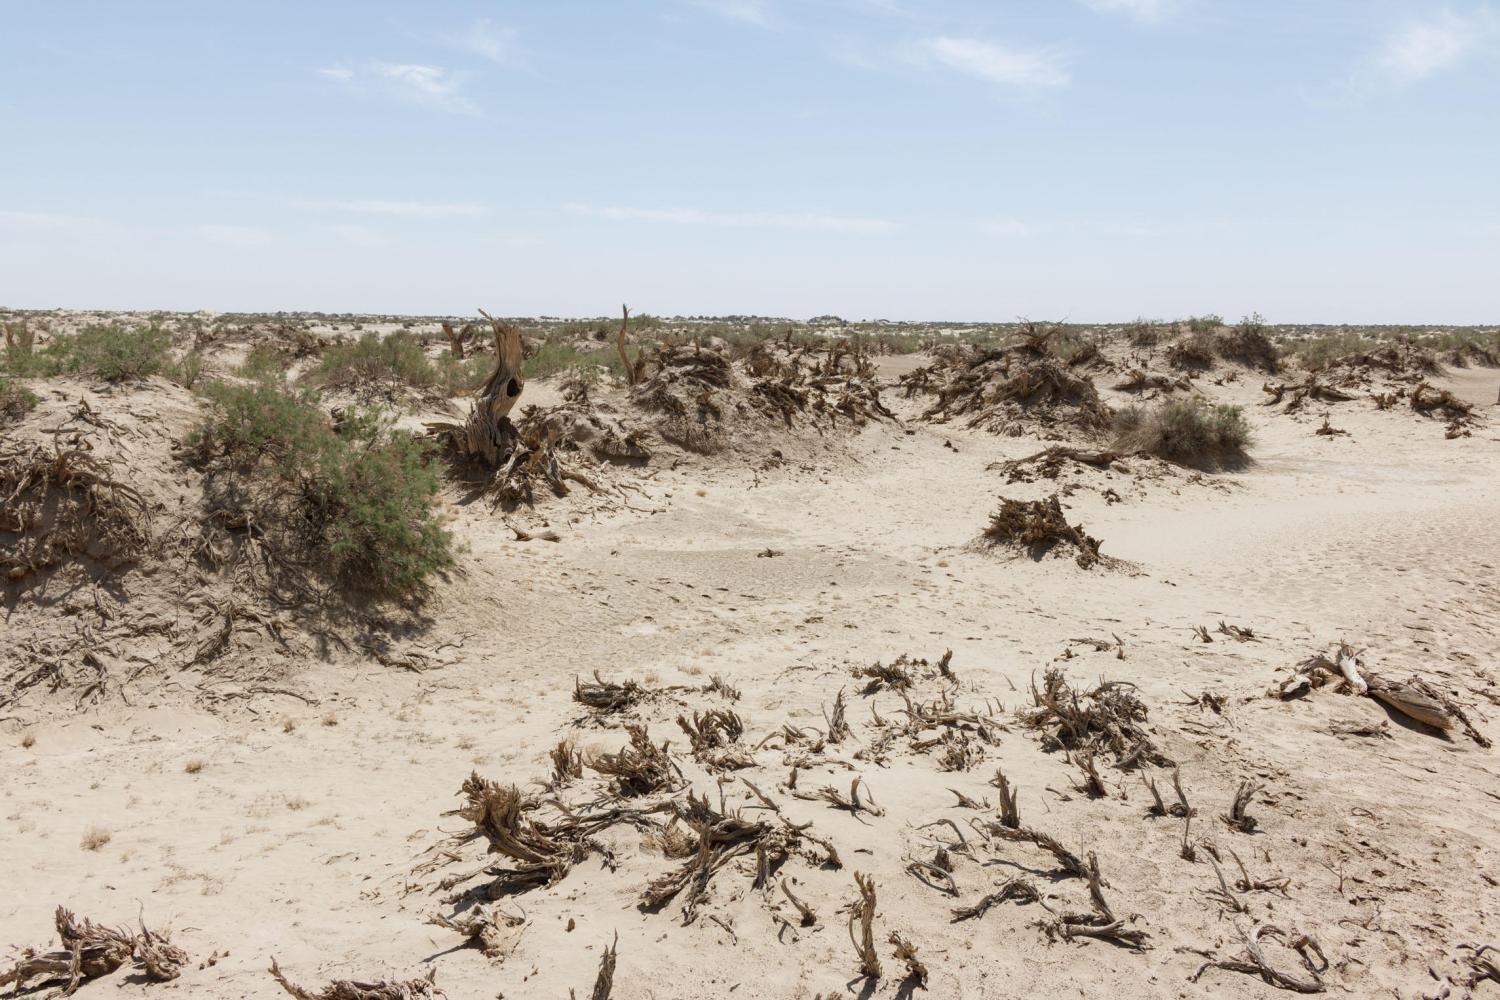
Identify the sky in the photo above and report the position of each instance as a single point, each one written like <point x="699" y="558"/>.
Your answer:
<point x="1088" y="160"/>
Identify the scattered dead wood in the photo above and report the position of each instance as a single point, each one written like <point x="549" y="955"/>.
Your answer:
<point x="896" y="676"/>
<point x="1006" y="390"/>
<point x="88" y="951"/>
<point x="851" y="802"/>
<point x="640" y="767"/>
<point x="916" y="972"/>
<point x="348" y="989"/>
<point x="714" y="736"/>
<point x="1010" y="813"/>
<point x="1109" y="717"/>
<point x="1050" y="462"/>
<point x="721" y="838"/>
<point x="567" y="762"/>
<point x="542" y="853"/>
<point x="607" y="696"/>
<point x="1101" y="922"/>
<point x="604" y="980"/>
<point x="1238" y="817"/>
<point x="495" y="933"/>
<point x="1255" y="962"/>
<point x="1138" y="381"/>
<point x="862" y="913"/>
<point x="1328" y="430"/>
<point x="1345" y="672"/>
<point x="1238" y="633"/>
<point x="808" y="915"/>
<point x="1067" y="861"/>
<point x="1301" y="393"/>
<point x="1038" y="526"/>
<point x="1180" y="808"/>
<point x="1015" y="890"/>
<point x="1427" y="400"/>
<point x="63" y="502"/>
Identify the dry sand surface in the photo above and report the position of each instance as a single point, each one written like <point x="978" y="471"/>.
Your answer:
<point x="305" y="808"/>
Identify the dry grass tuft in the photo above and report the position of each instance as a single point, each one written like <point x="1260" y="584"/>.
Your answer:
<point x="94" y="838"/>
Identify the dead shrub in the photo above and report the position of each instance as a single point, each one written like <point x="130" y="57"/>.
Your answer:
<point x="1038" y="526"/>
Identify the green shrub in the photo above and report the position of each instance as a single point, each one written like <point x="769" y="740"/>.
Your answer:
<point x="1187" y="432"/>
<point x="1196" y="350"/>
<point x="374" y="362"/>
<point x="460" y="377"/>
<point x="551" y="357"/>
<point x="263" y="363"/>
<point x="1143" y="333"/>
<point x="1318" y="352"/>
<point x="112" y="353"/>
<point x="352" y="503"/>
<point x="187" y="371"/>
<point x="1250" y="344"/>
<point x="15" y="399"/>
<point x="1210" y="323"/>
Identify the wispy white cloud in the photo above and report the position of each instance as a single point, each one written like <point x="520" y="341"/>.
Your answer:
<point x="496" y="42"/>
<point x="1422" y="48"/>
<point x="994" y="62"/>
<point x="431" y="85"/>
<point x="234" y="236"/>
<point x="756" y="12"/>
<point x="807" y="221"/>
<point x="1140" y="10"/>
<point x="397" y="209"/>
<point x="1412" y="52"/>
<point x="414" y="83"/>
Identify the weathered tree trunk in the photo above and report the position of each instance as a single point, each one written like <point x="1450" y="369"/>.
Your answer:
<point x="455" y="340"/>
<point x="488" y="436"/>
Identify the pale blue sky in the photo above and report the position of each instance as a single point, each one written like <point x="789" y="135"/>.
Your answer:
<point x="1316" y="160"/>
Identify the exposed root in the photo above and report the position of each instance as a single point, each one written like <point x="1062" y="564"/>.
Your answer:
<point x="1255" y="962"/>
<point x="862" y="913"/>
<point x="1109" y="717"/>
<point x="495" y="933"/>
<point x="1015" y="890"/>
<point x="1238" y="817"/>
<point x="347" y="989"/>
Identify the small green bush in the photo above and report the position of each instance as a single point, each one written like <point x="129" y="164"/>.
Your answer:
<point x="1143" y="333"/>
<point x="112" y="353"/>
<point x="460" y="377"/>
<point x="1249" y="343"/>
<point x="1316" y="353"/>
<point x="263" y="363"/>
<point x="1190" y="432"/>
<point x="374" y="362"/>
<point x="352" y="503"/>
<point x="15" y="399"/>
<point x="1210" y="323"/>
<point x="1196" y="351"/>
<point x="551" y="357"/>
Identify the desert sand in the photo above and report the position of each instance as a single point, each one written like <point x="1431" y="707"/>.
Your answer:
<point x="298" y="798"/>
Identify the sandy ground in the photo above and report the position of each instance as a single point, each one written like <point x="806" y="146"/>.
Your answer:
<point x="298" y="836"/>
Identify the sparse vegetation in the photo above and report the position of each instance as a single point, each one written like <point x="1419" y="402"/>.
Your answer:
<point x="1187" y="432"/>
<point x="386" y="366"/>
<point x="94" y="838"/>
<point x="15" y="399"/>
<point x="1249" y="343"/>
<point x="352" y="503"/>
